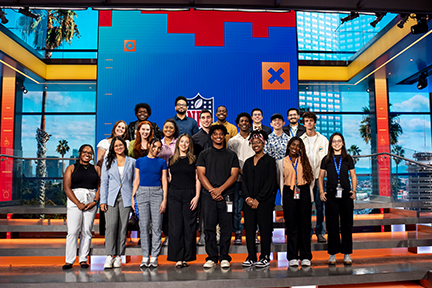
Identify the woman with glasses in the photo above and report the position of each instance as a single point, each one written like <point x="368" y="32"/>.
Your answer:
<point x="81" y="184"/>
<point x="339" y="197"/>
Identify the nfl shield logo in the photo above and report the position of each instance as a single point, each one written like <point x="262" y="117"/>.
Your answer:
<point x="198" y="103"/>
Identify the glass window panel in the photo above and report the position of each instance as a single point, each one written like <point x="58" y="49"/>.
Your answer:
<point x="409" y="102"/>
<point x="76" y="101"/>
<point x="76" y="129"/>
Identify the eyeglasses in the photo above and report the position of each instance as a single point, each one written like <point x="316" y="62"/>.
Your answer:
<point x="337" y="141"/>
<point x="182" y="105"/>
<point x="88" y="153"/>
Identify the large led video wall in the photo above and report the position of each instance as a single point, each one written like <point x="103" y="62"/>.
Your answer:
<point x="241" y="60"/>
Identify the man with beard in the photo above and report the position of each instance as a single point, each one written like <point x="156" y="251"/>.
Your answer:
<point x="184" y="123"/>
<point x="294" y="128"/>
<point x="217" y="169"/>
<point x="142" y="112"/>
<point x="221" y="114"/>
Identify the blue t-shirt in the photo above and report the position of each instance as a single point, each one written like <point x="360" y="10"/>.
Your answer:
<point x="150" y="170"/>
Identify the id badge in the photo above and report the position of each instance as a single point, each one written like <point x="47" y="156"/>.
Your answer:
<point x="297" y="193"/>
<point x="230" y="205"/>
<point x="339" y="191"/>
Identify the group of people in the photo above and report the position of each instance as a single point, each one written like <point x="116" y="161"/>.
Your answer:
<point x="170" y="178"/>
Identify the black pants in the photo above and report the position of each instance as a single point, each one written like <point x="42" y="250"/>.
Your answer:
<point x="263" y="216"/>
<point x="182" y="225"/>
<point x="343" y="208"/>
<point x="297" y="214"/>
<point x="215" y="212"/>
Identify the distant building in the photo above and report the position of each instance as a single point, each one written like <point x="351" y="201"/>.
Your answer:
<point x="74" y="155"/>
<point x="27" y="168"/>
<point x="420" y="181"/>
<point x="53" y="167"/>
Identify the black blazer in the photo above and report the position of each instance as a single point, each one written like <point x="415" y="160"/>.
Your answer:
<point x="300" y="131"/>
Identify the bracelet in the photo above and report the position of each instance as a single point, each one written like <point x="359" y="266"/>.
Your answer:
<point x="96" y="201"/>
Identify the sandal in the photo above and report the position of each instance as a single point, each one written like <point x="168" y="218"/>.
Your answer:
<point x="179" y="264"/>
<point x="67" y="266"/>
<point x="185" y="264"/>
<point x="84" y="265"/>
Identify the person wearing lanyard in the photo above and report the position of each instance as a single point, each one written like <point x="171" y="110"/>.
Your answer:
<point x="294" y="128"/>
<point x="339" y="197"/>
<point x="297" y="202"/>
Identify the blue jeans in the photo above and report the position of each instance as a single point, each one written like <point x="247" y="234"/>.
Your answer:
<point x="238" y="205"/>
<point x="319" y="206"/>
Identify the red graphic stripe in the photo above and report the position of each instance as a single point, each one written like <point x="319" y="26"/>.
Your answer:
<point x="208" y="26"/>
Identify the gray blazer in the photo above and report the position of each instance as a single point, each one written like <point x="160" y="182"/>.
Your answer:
<point x="111" y="182"/>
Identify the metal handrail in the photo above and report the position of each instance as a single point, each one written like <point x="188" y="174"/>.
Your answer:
<point x="395" y="156"/>
<point x="31" y="158"/>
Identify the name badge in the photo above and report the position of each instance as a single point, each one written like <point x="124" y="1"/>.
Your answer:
<point x="229" y="204"/>
<point x="297" y="193"/>
<point x="339" y="191"/>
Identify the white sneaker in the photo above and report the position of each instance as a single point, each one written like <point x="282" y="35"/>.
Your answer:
<point x="144" y="263"/>
<point x="209" y="264"/>
<point x="108" y="262"/>
<point x="332" y="260"/>
<point x="347" y="259"/>
<point x="153" y="262"/>
<point x="306" y="262"/>
<point x="225" y="264"/>
<point x="293" y="262"/>
<point x="117" y="262"/>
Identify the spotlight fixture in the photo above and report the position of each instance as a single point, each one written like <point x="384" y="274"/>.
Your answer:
<point x="24" y="90"/>
<point x="378" y="18"/>
<point x="404" y="19"/>
<point x="3" y="17"/>
<point x="368" y="90"/>
<point x="422" y="81"/>
<point x="350" y="17"/>
<point x="421" y="26"/>
<point x="26" y="12"/>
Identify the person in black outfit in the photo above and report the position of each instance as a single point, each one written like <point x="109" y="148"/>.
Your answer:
<point x="257" y="116"/>
<point x="217" y="168"/>
<point x="294" y="128"/>
<point x="339" y="197"/>
<point x="81" y="184"/>
<point x="258" y="187"/>
<point x="183" y="196"/>
<point x="142" y="112"/>
<point x="202" y="141"/>
<point x="297" y="202"/>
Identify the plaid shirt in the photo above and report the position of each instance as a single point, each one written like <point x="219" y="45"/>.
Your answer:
<point x="276" y="146"/>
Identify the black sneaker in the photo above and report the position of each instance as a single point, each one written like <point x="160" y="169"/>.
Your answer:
<point x="262" y="263"/>
<point x="248" y="263"/>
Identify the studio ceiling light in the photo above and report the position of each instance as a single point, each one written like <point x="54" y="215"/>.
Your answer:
<point x="422" y="81"/>
<point x="378" y="18"/>
<point x="421" y="26"/>
<point x="350" y="17"/>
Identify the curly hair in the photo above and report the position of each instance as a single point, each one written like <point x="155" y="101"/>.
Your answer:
<point x="308" y="175"/>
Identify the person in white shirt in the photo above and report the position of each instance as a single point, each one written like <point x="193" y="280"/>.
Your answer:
<point x="240" y="145"/>
<point x="316" y="149"/>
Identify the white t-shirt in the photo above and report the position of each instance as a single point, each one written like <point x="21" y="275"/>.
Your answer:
<point x="121" y="169"/>
<point x="310" y="153"/>
<point x="105" y="144"/>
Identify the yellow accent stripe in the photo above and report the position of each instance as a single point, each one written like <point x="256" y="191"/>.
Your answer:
<point x="37" y="66"/>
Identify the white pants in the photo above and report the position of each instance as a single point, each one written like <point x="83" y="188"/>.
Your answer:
<point x="79" y="221"/>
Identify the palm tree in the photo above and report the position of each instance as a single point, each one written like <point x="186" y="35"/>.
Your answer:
<point x="395" y="128"/>
<point x="398" y="150"/>
<point x="354" y="150"/>
<point x="58" y="26"/>
<point x="62" y="149"/>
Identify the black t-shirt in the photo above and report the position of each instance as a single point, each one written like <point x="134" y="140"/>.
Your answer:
<point x="218" y="164"/>
<point x="84" y="177"/>
<point x="183" y="174"/>
<point x="202" y="141"/>
<point x="332" y="177"/>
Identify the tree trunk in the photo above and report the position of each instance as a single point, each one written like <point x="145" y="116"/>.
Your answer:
<point x="42" y="137"/>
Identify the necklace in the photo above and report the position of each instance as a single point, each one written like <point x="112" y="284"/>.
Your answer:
<point x="85" y="166"/>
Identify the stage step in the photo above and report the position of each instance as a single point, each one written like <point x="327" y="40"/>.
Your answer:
<point x="376" y="240"/>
